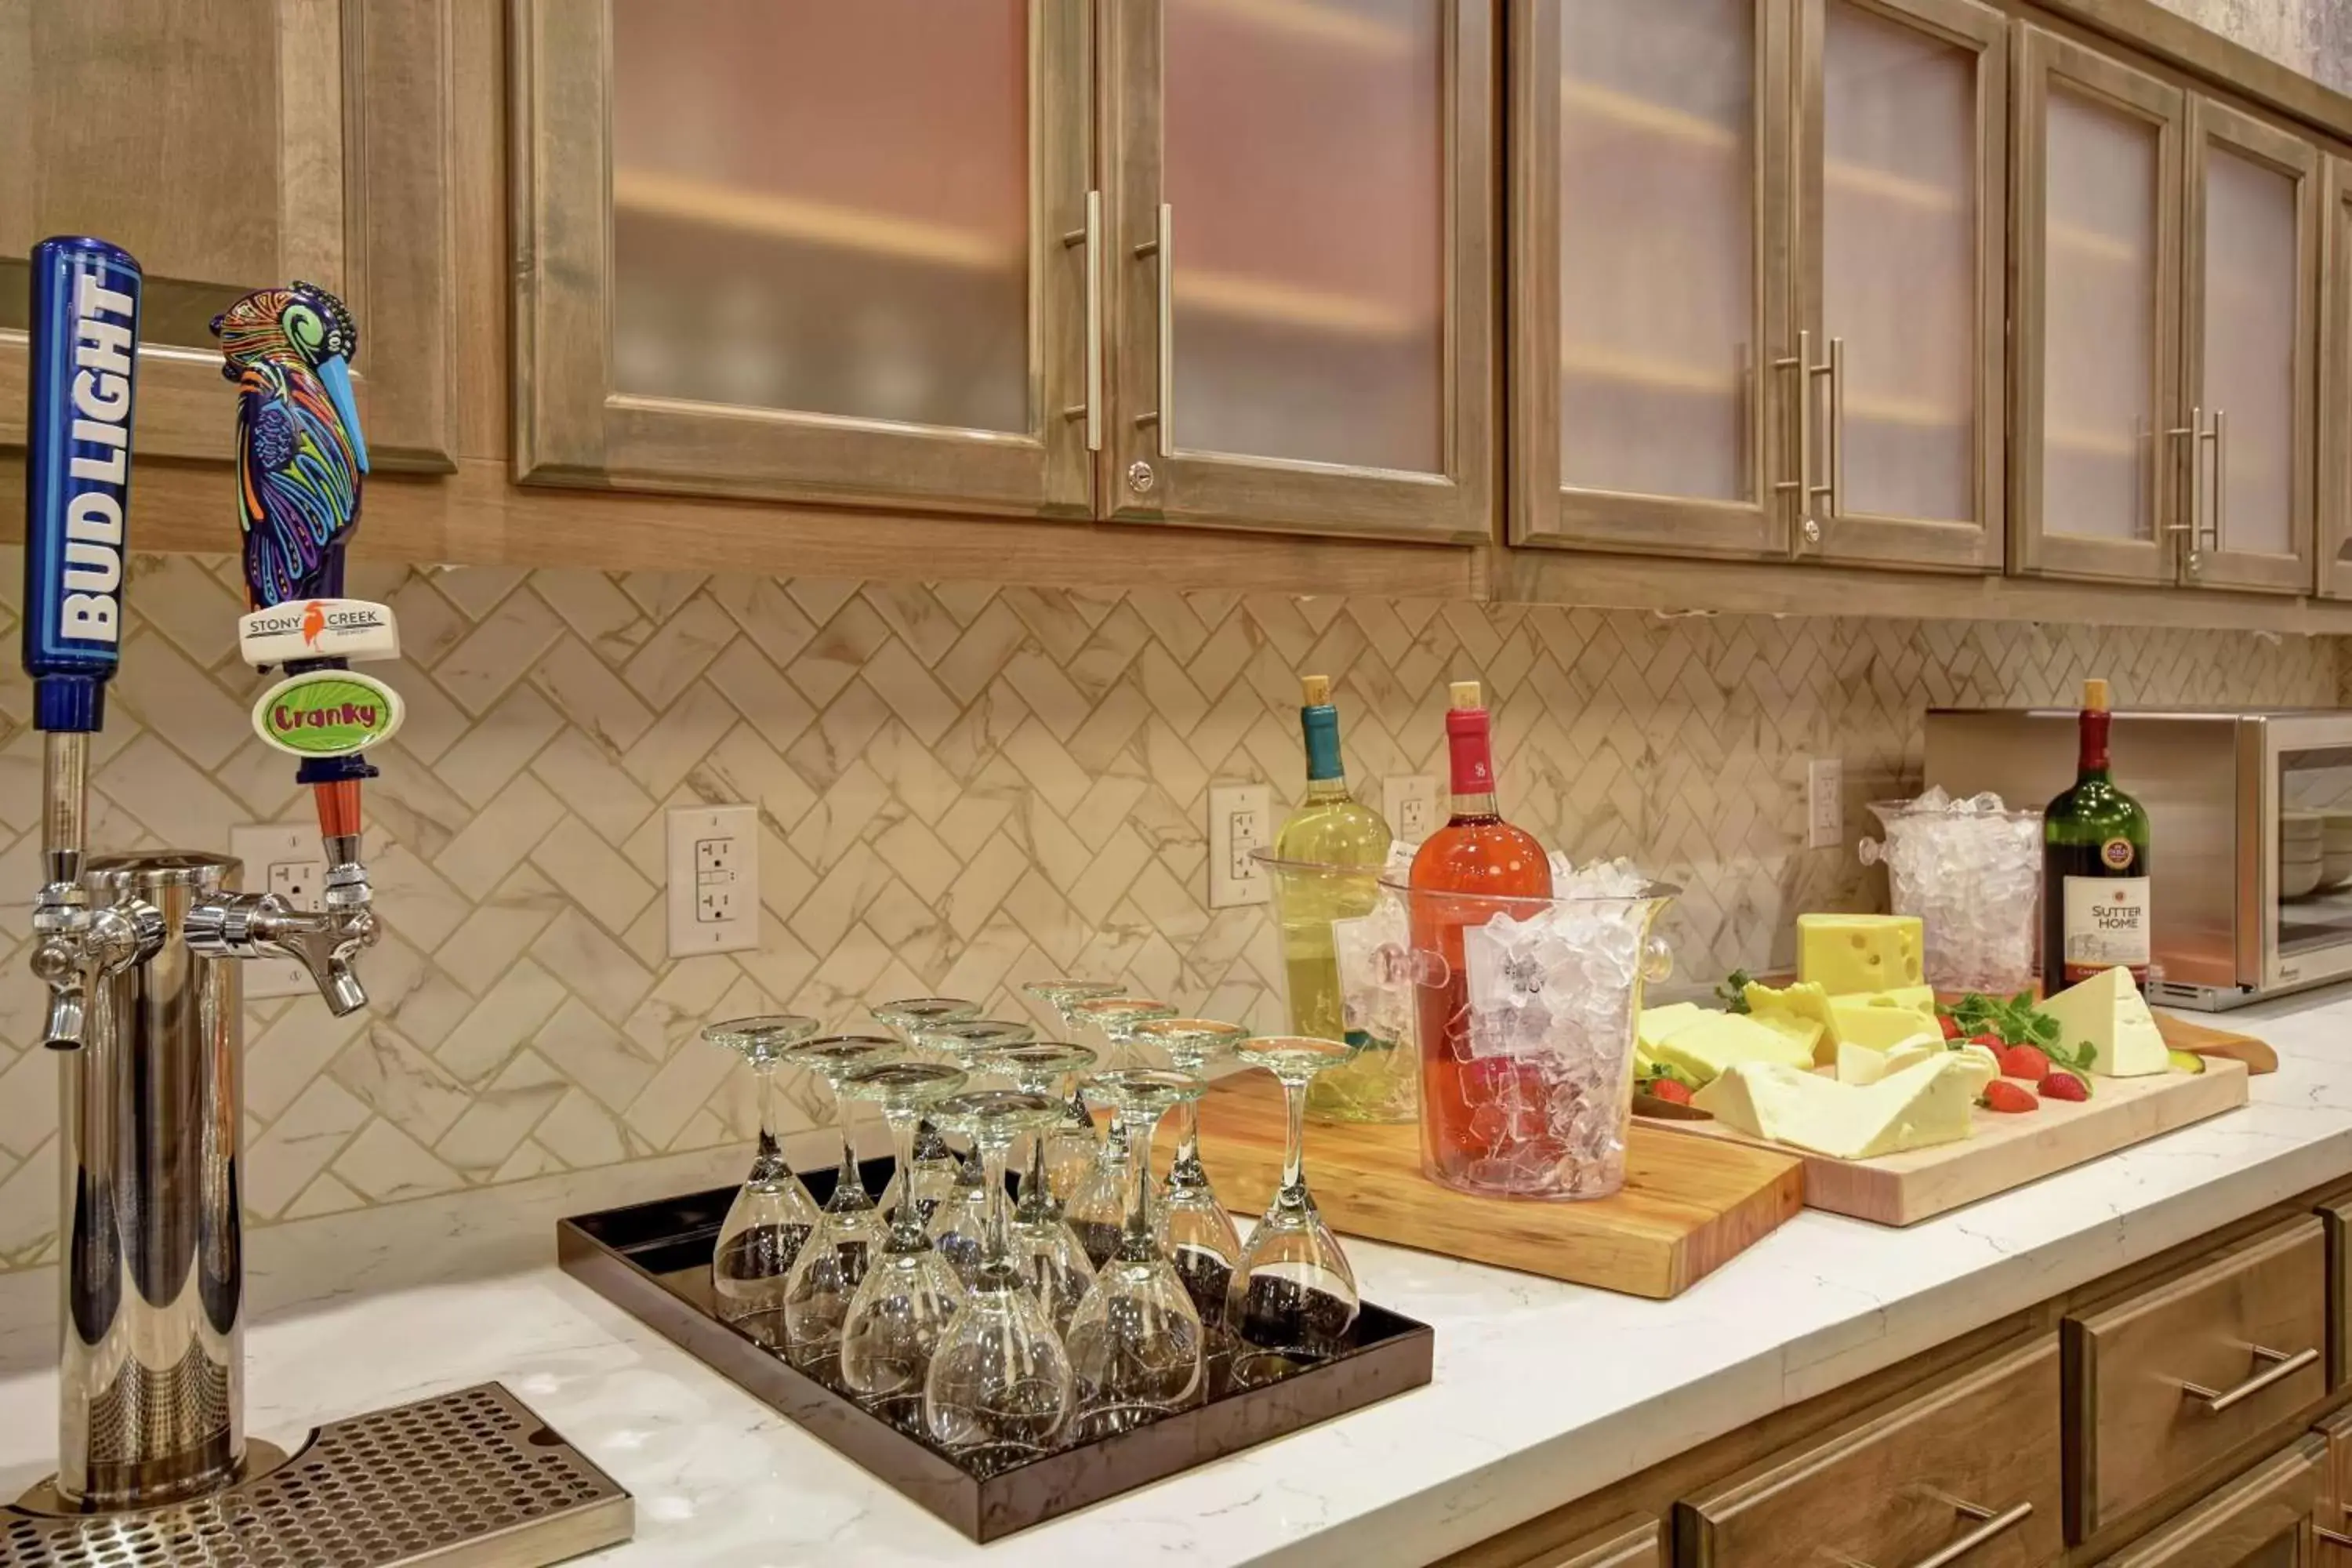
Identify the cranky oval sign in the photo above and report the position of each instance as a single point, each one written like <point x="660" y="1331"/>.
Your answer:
<point x="327" y="713"/>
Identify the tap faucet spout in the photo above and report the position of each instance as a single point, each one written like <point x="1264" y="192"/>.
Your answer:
<point x="326" y="942"/>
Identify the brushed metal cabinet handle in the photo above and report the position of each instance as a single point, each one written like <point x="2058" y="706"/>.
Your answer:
<point x="1833" y="489"/>
<point x="1090" y="237"/>
<point x="1993" y="1525"/>
<point x="1802" y="485"/>
<point x="2281" y="1366"/>
<point x="1162" y="245"/>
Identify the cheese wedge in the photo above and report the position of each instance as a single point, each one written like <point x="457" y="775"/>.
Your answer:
<point x="1720" y="1040"/>
<point x="1913" y="1051"/>
<point x="1864" y="1021"/>
<point x="2108" y="1011"/>
<point x="1656" y="1023"/>
<point x="1919" y="998"/>
<point x="1859" y="1064"/>
<point x="1924" y="1105"/>
<point x="1849" y="953"/>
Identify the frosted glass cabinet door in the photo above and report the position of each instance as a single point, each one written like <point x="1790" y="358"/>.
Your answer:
<point x="2096" y="204"/>
<point x="1298" y="265"/>
<point x="1649" y="144"/>
<point x="2335" y="396"/>
<point x="2251" y="275"/>
<point x="801" y="248"/>
<point x="1902" y="270"/>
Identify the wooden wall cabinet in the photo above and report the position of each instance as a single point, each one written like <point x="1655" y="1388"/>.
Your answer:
<point x="2166" y="262"/>
<point x="2335" y="394"/>
<point x="230" y="145"/>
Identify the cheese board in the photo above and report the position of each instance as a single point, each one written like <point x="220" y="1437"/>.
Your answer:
<point x="2001" y="1151"/>
<point x="1686" y="1209"/>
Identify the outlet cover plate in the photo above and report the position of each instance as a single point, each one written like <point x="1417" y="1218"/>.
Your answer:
<point x="1410" y="803"/>
<point x="713" y="891"/>
<point x="287" y="860"/>
<point x="1241" y="818"/>
<point x="1824" y="803"/>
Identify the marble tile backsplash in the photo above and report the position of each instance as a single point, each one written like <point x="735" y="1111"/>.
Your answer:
<point x="960" y="787"/>
<point x="2313" y="36"/>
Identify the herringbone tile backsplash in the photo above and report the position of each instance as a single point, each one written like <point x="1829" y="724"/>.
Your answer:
<point x="961" y="787"/>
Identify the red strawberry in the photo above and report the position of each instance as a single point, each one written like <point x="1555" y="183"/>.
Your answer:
<point x="1992" y="1043"/>
<point x="2060" y="1084"/>
<point x="1951" y="1025"/>
<point x="1670" y="1091"/>
<point x="2009" y="1098"/>
<point x="2029" y="1062"/>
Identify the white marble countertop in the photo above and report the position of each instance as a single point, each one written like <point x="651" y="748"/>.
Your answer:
<point x="1543" y="1392"/>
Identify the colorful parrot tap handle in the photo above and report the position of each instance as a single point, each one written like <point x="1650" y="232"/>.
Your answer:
<point x="302" y="458"/>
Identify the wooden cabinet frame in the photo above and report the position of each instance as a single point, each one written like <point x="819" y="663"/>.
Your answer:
<point x="1542" y="512"/>
<point x="2045" y="60"/>
<point x="364" y="119"/>
<point x="572" y="426"/>
<point x="1148" y="473"/>
<point x="2212" y="123"/>
<point x="2268" y="1503"/>
<point x="2335" y="428"/>
<point x="1861" y="537"/>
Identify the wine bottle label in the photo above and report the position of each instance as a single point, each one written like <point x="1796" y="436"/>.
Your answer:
<point x="2106" y="924"/>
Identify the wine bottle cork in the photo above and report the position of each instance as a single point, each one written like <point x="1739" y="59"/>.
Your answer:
<point x="2095" y="696"/>
<point x="1314" y="690"/>
<point x="1465" y="695"/>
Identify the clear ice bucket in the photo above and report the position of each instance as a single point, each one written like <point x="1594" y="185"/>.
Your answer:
<point x="1522" y="1012"/>
<point x="1971" y="871"/>
<point x="1340" y="931"/>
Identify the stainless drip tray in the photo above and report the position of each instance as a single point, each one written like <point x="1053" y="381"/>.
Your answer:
<point x="469" y="1480"/>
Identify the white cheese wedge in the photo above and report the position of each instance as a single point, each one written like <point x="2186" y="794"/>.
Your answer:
<point x="1923" y="1105"/>
<point x="2108" y="1011"/>
<point x="1910" y="1053"/>
<point x="1859" y="1064"/>
<point x="1717" y="1040"/>
<point x="1656" y="1023"/>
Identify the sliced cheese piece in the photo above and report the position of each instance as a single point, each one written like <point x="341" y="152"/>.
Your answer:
<point x="1800" y="1006"/>
<point x="1849" y="953"/>
<point x="1719" y="1040"/>
<point x="1859" y="1064"/>
<point x="1865" y="1022"/>
<point x="1912" y="1052"/>
<point x="1656" y="1023"/>
<point x="1923" y="1105"/>
<point x="2108" y="1011"/>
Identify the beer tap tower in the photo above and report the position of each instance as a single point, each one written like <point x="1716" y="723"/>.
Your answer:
<point x="137" y="949"/>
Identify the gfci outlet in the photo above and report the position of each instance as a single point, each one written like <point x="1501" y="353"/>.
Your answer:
<point x="1824" y="803"/>
<point x="1410" y="803"/>
<point x="287" y="861"/>
<point x="714" y="879"/>
<point x="1241" y="818"/>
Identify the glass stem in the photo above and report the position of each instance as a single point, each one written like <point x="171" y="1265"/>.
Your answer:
<point x="906" y="1220"/>
<point x="769" y="1165"/>
<point x="1035" y="1195"/>
<point x="1136" y="1241"/>
<point x="852" y="1181"/>
<point x="992" y="1157"/>
<point x="1186" y="1171"/>
<point x="1294" y="1147"/>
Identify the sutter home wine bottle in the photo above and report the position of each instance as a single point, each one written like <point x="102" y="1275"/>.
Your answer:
<point x="2095" y="885"/>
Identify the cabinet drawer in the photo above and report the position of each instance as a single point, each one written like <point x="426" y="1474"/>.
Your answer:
<point x="2262" y="1519"/>
<point x="2336" y="1220"/>
<point x="2171" y="1379"/>
<point x="1974" y="1457"/>
<point x="2334" y="1512"/>
<point x="1628" y="1543"/>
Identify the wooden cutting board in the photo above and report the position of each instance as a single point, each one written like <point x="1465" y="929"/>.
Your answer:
<point x="1689" y="1206"/>
<point x="2184" y="1034"/>
<point x="2003" y="1151"/>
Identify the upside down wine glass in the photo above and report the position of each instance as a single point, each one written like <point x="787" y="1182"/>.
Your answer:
<point x="958" y="1224"/>
<point x="1136" y="1343"/>
<point x="833" y="1262"/>
<point x="1293" y="1298"/>
<point x="1042" y="1245"/>
<point x="1072" y="1143"/>
<point x="1193" y="1226"/>
<point x="1097" y="1209"/>
<point x="903" y="1305"/>
<point x="998" y="1389"/>
<point x="933" y="1170"/>
<point x="772" y="1214"/>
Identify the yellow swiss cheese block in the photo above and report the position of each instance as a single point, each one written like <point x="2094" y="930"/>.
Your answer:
<point x="1848" y="953"/>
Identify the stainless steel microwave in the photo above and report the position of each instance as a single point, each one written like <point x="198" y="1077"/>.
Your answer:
<point x="2250" y="824"/>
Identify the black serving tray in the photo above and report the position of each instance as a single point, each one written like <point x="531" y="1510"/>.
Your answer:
<point x="654" y="1261"/>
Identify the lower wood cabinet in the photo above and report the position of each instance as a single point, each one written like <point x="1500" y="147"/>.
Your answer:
<point x="1636" y="1542"/>
<point x="1965" y="1472"/>
<point x="2175" y="1376"/>
<point x="2262" y="1519"/>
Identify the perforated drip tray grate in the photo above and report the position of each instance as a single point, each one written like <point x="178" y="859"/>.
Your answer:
<point x="469" y="1480"/>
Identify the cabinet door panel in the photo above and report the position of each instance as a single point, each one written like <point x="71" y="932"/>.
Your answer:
<point x="1904" y="271"/>
<point x="230" y="145"/>
<point x="2096" y="220"/>
<point x="1650" y="143"/>
<point x="1300" y="262"/>
<point x="2253" y="218"/>
<point x="825" y="252"/>
<point x="2335" y="399"/>
<point x="2260" y="1519"/>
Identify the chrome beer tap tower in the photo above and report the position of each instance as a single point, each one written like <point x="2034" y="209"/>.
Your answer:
<point x="139" y="951"/>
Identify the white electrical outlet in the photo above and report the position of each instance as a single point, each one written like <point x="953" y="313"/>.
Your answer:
<point x="1824" y="803"/>
<point x="714" y="878"/>
<point x="287" y="861"/>
<point x="1410" y="803"/>
<point x="1241" y="818"/>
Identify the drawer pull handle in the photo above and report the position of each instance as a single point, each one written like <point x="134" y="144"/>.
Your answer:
<point x="2281" y="1367"/>
<point x="2332" y="1537"/>
<point x="1992" y="1524"/>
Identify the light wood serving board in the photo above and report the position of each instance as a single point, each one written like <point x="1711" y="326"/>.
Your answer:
<point x="2004" y="1151"/>
<point x="1689" y="1206"/>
